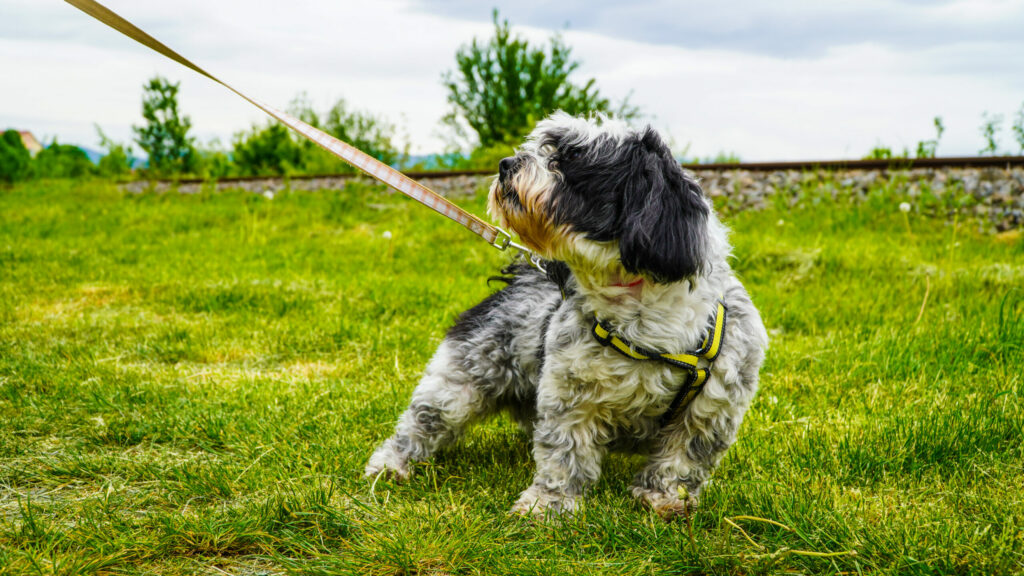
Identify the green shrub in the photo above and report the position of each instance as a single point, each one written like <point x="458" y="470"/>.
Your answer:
<point x="14" y="157"/>
<point x="214" y="162"/>
<point x="990" y="126"/>
<point x="62" y="161"/>
<point x="267" y="150"/>
<point x="117" y="162"/>
<point x="372" y="134"/>
<point x="927" y="148"/>
<point x="273" y="149"/>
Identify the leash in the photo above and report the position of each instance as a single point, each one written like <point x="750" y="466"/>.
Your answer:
<point x="369" y="165"/>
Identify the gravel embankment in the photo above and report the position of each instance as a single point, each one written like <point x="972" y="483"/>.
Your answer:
<point x="998" y="193"/>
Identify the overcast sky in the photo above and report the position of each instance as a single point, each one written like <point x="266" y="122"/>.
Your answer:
<point x="790" y="79"/>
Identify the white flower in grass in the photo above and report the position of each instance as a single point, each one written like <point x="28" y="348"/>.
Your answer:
<point x="387" y="234"/>
<point x="904" y="207"/>
<point x="268" y="194"/>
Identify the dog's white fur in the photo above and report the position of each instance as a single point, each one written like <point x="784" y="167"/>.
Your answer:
<point x="528" y="348"/>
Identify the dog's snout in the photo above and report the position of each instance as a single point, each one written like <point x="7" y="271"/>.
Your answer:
<point x="506" y="166"/>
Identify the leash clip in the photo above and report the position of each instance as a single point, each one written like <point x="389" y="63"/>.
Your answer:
<point x="503" y="241"/>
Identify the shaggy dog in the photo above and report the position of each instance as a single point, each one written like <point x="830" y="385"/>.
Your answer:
<point x="635" y="257"/>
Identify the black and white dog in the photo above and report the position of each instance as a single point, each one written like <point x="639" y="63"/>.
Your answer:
<point x="631" y="241"/>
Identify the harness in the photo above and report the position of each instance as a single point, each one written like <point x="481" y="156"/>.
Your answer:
<point x="697" y="377"/>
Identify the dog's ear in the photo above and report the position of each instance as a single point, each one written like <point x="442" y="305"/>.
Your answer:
<point x="665" y="216"/>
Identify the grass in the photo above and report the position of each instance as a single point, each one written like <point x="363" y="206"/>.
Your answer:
<point x="192" y="384"/>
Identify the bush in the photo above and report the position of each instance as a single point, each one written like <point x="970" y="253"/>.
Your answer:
<point x="928" y="148"/>
<point x="117" y="162"/>
<point x="15" y="159"/>
<point x="990" y="125"/>
<point x="273" y="149"/>
<point x="372" y="134"/>
<point x="62" y="161"/>
<point x="214" y="162"/>
<point x="267" y="150"/>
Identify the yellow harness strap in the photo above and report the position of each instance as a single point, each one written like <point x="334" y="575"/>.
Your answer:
<point x="709" y="349"/>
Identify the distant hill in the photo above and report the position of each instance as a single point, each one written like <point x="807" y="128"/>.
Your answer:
<point x="429" y="162"/>
<point x="93" y="155"/>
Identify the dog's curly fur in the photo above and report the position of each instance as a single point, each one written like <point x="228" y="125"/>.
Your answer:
<point x="606" y="206"/>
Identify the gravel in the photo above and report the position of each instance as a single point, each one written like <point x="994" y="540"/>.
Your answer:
<point x="995" y="195"/>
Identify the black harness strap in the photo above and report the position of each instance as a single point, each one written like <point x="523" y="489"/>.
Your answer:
<point x="696" y="377"/>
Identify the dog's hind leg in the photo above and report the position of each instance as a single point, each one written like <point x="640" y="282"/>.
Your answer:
<point x="444" y="402"/>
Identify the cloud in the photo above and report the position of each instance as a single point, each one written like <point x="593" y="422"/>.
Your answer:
<point x="380" y="56"/>
<point x="784" y="28"/>
<point x="62" y="71"/>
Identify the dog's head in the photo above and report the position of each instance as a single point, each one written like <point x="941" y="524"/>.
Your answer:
<point x="596" y="193"/>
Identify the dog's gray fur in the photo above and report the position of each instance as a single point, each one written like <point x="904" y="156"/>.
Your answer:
<point x="580" y="192"/>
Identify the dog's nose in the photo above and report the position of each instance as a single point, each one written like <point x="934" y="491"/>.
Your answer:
<point x="505" y="166"/>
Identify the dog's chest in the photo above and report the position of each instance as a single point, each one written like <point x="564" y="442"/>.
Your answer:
<point x="598" y="383"/>
<point x="602" y="384"/>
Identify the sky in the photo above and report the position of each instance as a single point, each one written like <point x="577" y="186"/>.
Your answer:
<point x="785" y="80"/>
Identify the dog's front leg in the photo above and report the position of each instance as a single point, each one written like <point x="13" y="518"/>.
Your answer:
<point x="568" y="455"/>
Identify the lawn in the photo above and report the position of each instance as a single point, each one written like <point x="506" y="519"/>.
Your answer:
<point x="192" y="384"/>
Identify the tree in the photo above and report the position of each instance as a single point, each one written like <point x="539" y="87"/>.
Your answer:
<point x="14" y="157"/>
<point x="165" y="135"/>
<point x="502" y="87"/>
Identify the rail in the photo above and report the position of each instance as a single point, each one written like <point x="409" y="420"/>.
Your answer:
<point x="1005" y="162"/>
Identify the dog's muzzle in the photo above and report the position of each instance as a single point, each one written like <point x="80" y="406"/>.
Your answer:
<point x="506" y="170"/>
<point x="506" y="167"/>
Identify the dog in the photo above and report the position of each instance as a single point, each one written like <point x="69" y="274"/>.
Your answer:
<point x="635" y="256"/>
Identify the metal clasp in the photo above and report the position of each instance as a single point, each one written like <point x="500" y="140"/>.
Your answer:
<point x="503" y="241"/>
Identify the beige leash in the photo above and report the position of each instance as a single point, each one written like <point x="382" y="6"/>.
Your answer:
<point x="494" y="236"/>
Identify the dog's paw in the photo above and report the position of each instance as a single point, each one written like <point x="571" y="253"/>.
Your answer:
<point x="667" y="505"/>
<point x="538" y="502"/>
<point x="387" y="464"/>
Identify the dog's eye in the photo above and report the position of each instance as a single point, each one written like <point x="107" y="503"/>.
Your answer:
<point x="570" y="154"/>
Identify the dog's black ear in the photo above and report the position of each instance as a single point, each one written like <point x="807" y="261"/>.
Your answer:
<point x="665" y="216"/>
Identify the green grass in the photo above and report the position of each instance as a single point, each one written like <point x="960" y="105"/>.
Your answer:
<point x="192" y="384"/>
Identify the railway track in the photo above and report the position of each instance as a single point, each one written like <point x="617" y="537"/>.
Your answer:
<point x="1004" y="162"/>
